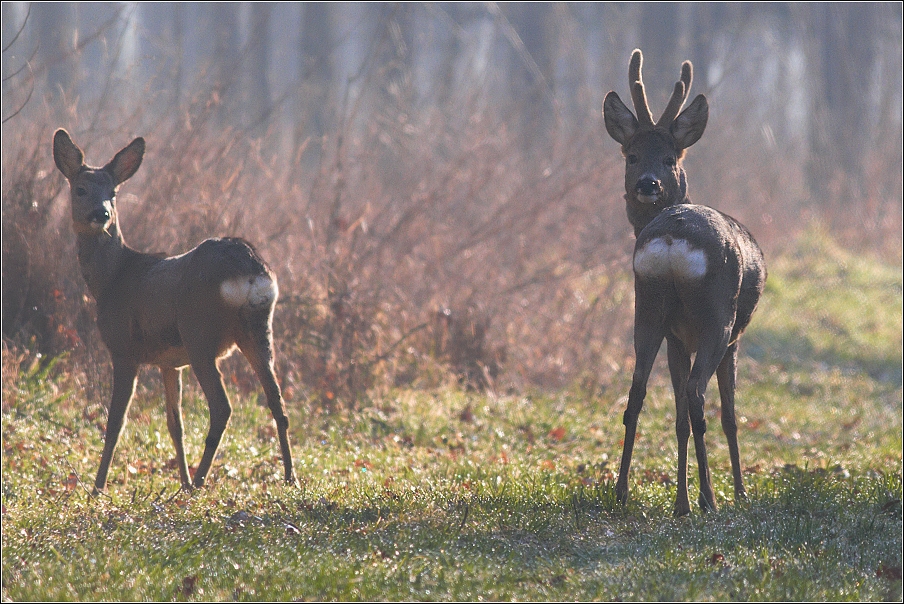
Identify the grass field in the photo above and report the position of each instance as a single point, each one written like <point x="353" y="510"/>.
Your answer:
<point x="451" y="495"/>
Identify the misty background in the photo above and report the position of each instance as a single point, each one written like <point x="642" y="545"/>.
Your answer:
<point x="432" y="182"/>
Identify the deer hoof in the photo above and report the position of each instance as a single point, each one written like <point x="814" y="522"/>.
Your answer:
<point x="682" y="508"/>
<point x="706" y="504"/>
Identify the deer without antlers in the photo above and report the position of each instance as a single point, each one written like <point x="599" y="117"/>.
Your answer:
<point x="192" y="309"/>
<point x="698" y="275"/>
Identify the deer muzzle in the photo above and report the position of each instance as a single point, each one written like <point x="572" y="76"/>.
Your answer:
<point x="95" y="222"/>
<point x="99" y="216"/>
<point x="648" y="189"/>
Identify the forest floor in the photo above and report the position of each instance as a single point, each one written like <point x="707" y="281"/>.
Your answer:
<point x="454" y="495"/>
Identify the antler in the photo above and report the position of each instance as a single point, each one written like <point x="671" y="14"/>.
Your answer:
<point x="635" y="81"/>
<point x="639" y="96"/>
<point x="679" y="95"/>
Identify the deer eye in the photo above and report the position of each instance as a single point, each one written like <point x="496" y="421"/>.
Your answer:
<point x="81" y="191"/>
<point x="632" y="159"/>
<point x="669" y="161"/>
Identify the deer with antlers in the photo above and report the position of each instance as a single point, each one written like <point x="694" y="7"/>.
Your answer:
<point x="698" y="275"/>
<point x="192" y="309"/>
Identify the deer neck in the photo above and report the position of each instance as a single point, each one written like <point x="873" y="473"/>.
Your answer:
<point x="100" y="257"/>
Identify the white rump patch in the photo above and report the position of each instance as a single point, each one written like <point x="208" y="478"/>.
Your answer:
<point x="668" y="257"/>
<point x="254" y="291"/>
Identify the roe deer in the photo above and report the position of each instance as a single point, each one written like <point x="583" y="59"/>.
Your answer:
<point x="171" y="312"/>
<point x="698" y="275"/>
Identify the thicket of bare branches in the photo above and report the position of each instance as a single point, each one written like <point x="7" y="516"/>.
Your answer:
<point x="433" y="186"/>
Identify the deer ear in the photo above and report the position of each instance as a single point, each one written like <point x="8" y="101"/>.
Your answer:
<point x="127" y="161"/>
<point x="688" y="127"/>
<point x="620" y="122"/>
<point x="66" y="154"/>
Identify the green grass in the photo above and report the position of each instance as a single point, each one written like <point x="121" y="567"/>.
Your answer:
<point x="449" y="495"/>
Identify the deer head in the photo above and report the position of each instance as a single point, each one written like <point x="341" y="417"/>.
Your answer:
<point x="654" y="176"/>
<point x="92" y="191"/>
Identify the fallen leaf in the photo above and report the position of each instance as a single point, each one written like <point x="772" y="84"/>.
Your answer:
<point x="889" y="573"/>
<point x="188" y="585"/>
<point x="892" y="508"/>
<point x="240" y="516"/>
<point x="291" y="529"/>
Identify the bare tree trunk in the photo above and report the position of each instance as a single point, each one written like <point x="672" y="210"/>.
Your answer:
<point x="841" y="53"/>
<point x="258" y="100"/>
<point x="659" y="36"/>
<point x="53" y="24"/>
<point x="315" y="78"/>
<point x="223" y="19"/>
<point x="532" y="58"/>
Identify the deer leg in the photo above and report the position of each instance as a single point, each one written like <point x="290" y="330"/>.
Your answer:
<point x="647" y="340"/>
<point x="709" y="355"/>
<point x="726" y="375"/>
<point x="679" y="369"/>
<point x="259" y="352"/>
<point x="211" y="381"/>
<point x="124" y="375"/>
<point x="172" y="383"/>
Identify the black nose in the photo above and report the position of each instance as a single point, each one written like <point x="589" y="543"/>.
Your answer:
<point x="649" y="186"/>
<point x="101" y="216"/>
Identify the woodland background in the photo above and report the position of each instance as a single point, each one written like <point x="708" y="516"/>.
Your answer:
<point x="431" y="182"/>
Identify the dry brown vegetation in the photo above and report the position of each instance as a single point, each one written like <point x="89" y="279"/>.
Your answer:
<point x="445" y="254"/>
<point x="415" y="243"/>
